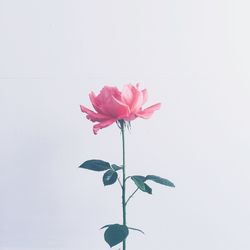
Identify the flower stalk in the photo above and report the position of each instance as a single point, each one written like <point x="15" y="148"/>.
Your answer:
<point x="121" y="107"/>
<point x="124" y="215"/>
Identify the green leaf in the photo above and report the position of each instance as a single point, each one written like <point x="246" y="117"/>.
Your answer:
<point x="109" y="177"/>
<point x="140" y="177"/>
<point x="139" y="182"/>
<point x="115" y="234"/>
<point x="136" y="229"/>
<point x="95" y="165"/>
<point x="148" y="189"/>
<point x="106" y="226"/>
<point x="160" y="180"/>
<point x="116" y="167"/>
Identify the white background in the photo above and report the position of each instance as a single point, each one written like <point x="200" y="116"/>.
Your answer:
<point x="193" y="56"/>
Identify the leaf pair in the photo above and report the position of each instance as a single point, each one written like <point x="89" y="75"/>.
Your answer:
<point x="140" y="182"/>
<point x="110" y="176"/>
<point x="116" y="233"/>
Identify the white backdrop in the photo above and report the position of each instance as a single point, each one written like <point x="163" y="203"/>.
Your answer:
<point x="193" y="56"/>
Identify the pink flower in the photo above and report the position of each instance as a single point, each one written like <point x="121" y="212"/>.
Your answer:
<point x="112" y="105"/>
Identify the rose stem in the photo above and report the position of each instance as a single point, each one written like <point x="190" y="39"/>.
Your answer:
<point x="123" y="181"/>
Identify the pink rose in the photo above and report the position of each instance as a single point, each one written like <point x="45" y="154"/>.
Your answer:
<point x="112" y="105"/>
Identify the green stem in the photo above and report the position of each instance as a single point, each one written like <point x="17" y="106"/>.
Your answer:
<point x="123" y="181"/>
<point x="131" y="196"/>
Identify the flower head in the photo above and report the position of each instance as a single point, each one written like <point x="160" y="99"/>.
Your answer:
<point x="112" y="105"/>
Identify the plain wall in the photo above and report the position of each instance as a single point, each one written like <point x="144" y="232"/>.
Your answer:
<point x="192" y="56"/>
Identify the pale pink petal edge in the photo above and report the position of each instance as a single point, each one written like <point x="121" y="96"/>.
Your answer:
<point x="147" y="113"/>
<point x="103" y="124"/>
<point x="94" y="117"/>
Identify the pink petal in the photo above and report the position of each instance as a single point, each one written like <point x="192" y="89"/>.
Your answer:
<point x="106" y="93"/>
<point x="127" y="95"/>
<point x="94" y="102"/>
<point x="109" y="103"/>
<point x="131" y="117"/>
<point x="94" y="117"/>
<point x="138" y="101"/>
<point x="145" y="96"/>
<point x="103" y="124"/>
<point x="114" y="108"/>
<point x="133" y="97"/>
<point x="119" y="109"/>
<point x="147" y="113"/>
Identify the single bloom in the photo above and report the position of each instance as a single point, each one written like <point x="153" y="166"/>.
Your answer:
<point x="112" y="105"/>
